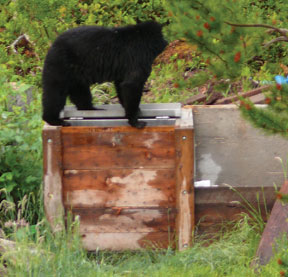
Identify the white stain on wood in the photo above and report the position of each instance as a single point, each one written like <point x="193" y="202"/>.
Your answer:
<point x="112" y="241"/>
<point x="72" y="172"/>
<point x="134" y="222"/>
<point x="207" y="164"/>
<point x="186" y="120"/>
<point x="131" y="190"/>
<point x="150" y="142"/>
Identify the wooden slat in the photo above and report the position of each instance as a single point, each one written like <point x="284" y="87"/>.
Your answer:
<point x="249" y="93"/>
<point x="276" y="227"/>
<point x="127" y="241"/>
<point x="184" y="145"/>
<point x="119" y="187"/>
<point x="122" y="147"/>
<point x="52" y="157"/>
<point x="230" y="197"/>
<point x="220" y="213"/>
<point x="215" y="206"/>
<point x="195" y="98"/>
<point x="125" y="220"/>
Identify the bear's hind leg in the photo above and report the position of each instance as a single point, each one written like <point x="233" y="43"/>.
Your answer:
<point x="53" y="101"/>
<point x="130" y="96"/>
<point x="80" y="95"/>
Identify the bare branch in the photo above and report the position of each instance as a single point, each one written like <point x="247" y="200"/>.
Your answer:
<point x="23" y="37"/>
<point x="282" y="31"/>
<point x="275" y="40"/>
<point x="24" y="41"/>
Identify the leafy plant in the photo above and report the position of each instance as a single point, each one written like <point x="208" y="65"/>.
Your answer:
<point x="20" y="141"/>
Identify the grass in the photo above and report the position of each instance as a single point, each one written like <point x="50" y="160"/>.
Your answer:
<point x="61" y="255"/>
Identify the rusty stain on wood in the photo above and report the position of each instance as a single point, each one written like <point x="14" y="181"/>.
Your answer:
<point x="53" y="205"/>
<point x="87" y="149"/>
<point x="184" y="145"/>
<point x="119" y="187"/>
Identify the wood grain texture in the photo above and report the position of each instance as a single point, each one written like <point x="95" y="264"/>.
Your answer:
<point x="119" y="187"/>
<point x="52" y="157"/>
<point x="125" y="220"/>
<point x="215" y="206"/>
<point x="184" y="138"/>
<point x="225" y="142"/>
<point x="276" y="227"/>
<point x="230" y="197"/>
<point x="94" y="148"/>
<point x="127" y="241"/>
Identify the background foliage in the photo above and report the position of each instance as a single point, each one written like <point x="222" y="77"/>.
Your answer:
<point x="221" y="52"/>
<point x="228" y="48"/>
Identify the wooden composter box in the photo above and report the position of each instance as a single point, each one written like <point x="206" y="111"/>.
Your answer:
<point x="130" y="188"/>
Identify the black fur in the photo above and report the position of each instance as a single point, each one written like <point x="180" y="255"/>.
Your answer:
<point x="86" y="55"/>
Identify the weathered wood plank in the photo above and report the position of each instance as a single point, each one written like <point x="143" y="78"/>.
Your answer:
<point x="249" y="93"/>
<point x="125" y="220"/>
<point x="127" y="241"/>
<point x="230" y="197"/>
<point x="214" y="206"/>
<point x="184" y="145"/>
<point x="119" y="187"/>
<point x="225" y="142"/>
<point x="93" y="148"/>
<point x="220" y="213"/>
<point x="276" y="227"/>
<point x="195" y="98"/>
<point x="52" y="157"/>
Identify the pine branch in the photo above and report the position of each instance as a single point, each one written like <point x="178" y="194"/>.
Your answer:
<point x="210" y="50"/>
<point x="282" y="31"/>
<point x="266" y="119"/>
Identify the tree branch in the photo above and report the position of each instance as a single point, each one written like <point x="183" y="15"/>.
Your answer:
<point x="275" y="40"/>
<point x="282" y="31"/>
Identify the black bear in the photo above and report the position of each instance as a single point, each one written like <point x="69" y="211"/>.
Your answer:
<point x="86" y="55"/>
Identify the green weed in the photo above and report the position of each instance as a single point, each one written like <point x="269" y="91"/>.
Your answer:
<point x="61" y="254"/>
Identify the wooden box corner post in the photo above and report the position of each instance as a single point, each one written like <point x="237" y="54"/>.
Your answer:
<point x="184" y="146"/>
<point x="52" y="158"/>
